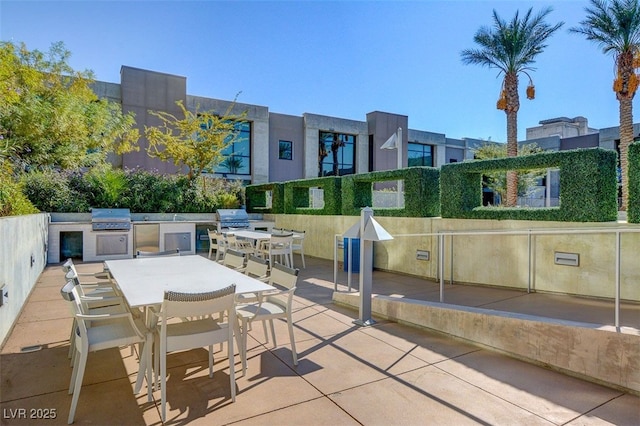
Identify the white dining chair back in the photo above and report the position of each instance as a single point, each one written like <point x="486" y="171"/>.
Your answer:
<point x="96" y="332"/>
<point x="203" y="330"/>
<point x="273" y="305"/>
<point x="279" y="247"/>
<point x="257" y="268"/>
<point x="217" y="243"/>
<point x="234" y="259"/>
<point x="297" y="245"/>
<point x="175" y="252"/>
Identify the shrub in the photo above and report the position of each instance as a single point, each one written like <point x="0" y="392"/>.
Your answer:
<point x="13" y="202"/>
<point x="296" y="196"/>
<point x="587" y="187"/>
<point x="421" y="192"/>
<point x="257" y="197"/>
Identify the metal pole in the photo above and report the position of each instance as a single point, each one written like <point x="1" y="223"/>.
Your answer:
<point x="349" y="262"/>
<point x="451" y="262"/>
<point x="335" y="263"/>
<point x="617" y="306"/>
<point x="529" y="257"/>
<point x="366" y="271"/>
<point x="441" y="262"/>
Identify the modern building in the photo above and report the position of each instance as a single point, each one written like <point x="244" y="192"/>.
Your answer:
<point x="280" y="147"/>
<point x="274" y="147"/>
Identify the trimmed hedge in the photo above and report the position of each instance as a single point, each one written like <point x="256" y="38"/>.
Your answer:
<point x="633" y="208"/>
<point x="588" y="187"/>
<point x="421" y="192"/>
<point x="296" y="196"/>
<point x="257" y="197"/>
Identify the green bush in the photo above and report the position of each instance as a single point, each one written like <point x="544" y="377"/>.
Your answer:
<point x="421" y="192"/>
<point x="296" y="196"/>
<point x="13" y="202"/>
<point x="633" y="208"/>
<point x="139" y="190"/>
<point x="588" y="188"/>
<point x="49" y="192"/>
<point x="257" y="197"/>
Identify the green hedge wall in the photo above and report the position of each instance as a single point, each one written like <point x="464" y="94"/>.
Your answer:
<point x="588" y="187"/>
<point x="421" y="192"/>
<point x="633" y="209"/>
<point x="296" y="196"/>
<point x="257" y="197"/>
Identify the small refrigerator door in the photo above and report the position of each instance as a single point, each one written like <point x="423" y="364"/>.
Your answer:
<point x="146" y="237"/>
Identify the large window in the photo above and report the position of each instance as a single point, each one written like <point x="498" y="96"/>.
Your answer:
<point x="336" y="154"/>
<point x="237" y="156"/>
<point x="420" y="154"/>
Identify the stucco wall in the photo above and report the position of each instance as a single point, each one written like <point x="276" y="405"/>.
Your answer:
<point x="499" y="260"/>
<point x="23" y="248"/>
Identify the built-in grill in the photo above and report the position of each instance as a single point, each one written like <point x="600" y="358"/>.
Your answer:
<point x="232" y="219"/>
<point x="110" y="219"/>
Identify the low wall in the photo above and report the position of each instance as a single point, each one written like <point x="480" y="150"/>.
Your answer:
<point x="599" y="354"/>
<point x="497" y="260"/>
<point x="23" y="248"/>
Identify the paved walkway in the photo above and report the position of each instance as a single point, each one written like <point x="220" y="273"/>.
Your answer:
<point x="386" y="374"/>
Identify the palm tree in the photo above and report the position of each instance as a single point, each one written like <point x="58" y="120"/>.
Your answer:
<point x="615" y="26"/>
<point x="511" y="47"/>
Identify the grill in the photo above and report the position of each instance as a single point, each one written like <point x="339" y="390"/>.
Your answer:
<point x="232" y="218"/>
<point x="110" y="219"/>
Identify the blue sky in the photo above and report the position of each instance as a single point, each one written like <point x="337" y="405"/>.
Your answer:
<point x="336" y="58"/>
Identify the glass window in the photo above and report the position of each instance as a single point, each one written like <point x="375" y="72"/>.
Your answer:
<point x="336" y="154"/>
<point x="285" y="150"/>
<point x="237" y="156"/>
<point x="420" y="154"/>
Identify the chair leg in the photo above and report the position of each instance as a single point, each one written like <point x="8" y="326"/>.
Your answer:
<point x="273" y="333"/>
<point x="163" y="382"/>
<point x="210" y="361"/>
<point x="76" y="385"/>
<point x="293" y="341"/>
<point x="232" y="369"/>
<point x="302" y="256"/>
<point x="244" y="346"/>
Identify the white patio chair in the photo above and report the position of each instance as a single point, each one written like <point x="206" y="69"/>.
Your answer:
<point x="234" y="259"/>
<point x="279" y="246"/>
<point x="298" y="244"/>
<point x="103" y="275"/>
<point x="94" y="305"/>
<point x="104" y="331"/>
<point x="217" y="243"/>
<point x="271" y="306"/>
<point x="205" y="331"/>
<point x="99" y="281"/>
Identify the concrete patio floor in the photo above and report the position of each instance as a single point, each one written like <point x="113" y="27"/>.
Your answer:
<point x="386" y="374"/>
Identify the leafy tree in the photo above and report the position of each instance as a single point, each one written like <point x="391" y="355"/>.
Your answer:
<point x="497" y="181"/>
<point x="615" y="27"/>
<point x="196" y="141"/>
<point x="49" y="115"/>
<point x="511" y="47"/>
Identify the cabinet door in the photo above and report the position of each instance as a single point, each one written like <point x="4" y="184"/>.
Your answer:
<point x="112" y="244"/>
<point x="177" y="240"/>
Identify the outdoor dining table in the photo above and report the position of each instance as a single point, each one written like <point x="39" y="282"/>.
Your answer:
<point x="143" y="281"/>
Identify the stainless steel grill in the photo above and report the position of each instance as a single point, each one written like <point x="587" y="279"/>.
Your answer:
<point x="110" y="219"/>
<point x="232" y="218"/>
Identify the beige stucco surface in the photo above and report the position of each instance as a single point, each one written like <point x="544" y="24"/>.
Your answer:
<point x="497" y="260"/>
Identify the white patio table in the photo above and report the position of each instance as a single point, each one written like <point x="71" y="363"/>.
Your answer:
<point x="144" y="280"/>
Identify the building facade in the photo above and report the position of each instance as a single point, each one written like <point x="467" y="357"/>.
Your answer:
<point x="274" y="147"/>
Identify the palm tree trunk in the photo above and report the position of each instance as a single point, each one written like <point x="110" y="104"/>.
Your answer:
<point x="626" y="138"/>
<point x="513" y="105"/>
